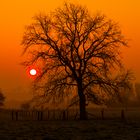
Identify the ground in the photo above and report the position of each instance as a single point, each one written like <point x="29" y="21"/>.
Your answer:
<point x="70" y="130"/>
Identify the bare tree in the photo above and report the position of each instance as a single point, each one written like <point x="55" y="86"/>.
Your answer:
<point x="2" y="98"/>
<point x="78" y="53"/>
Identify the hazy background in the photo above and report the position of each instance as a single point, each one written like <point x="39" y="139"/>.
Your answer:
<point x="14" y="15"/>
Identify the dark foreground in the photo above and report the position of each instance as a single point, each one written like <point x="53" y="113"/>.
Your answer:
<point x="70" y="130"/>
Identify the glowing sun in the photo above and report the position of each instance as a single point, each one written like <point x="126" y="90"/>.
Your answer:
<point x="33" y="72"/>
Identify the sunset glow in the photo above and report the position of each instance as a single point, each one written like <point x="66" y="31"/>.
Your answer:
<point x="15" y="15"/>
<point x="70" y="69"/>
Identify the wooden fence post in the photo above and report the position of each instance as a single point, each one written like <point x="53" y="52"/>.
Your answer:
<point x="123" y="117"/>
<point x="102" y="114"/>
<point x="48" y="115"/>
<point x="39" y="115"/>
<point x="64" y="115"/>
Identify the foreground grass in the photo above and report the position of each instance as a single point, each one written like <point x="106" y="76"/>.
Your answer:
<point x="70" y="130"/>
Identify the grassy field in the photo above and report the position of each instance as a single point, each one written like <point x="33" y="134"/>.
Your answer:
<point x="70" y="130"/>
<point x="112" y="127"/>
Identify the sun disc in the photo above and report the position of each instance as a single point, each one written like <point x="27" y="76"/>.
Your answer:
<point x="33" y="72"/>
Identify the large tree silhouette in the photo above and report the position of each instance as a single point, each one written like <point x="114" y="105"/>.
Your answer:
<point x="77" y="52"/>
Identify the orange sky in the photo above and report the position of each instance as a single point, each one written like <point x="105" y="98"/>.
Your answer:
<point x="15" y="14"/>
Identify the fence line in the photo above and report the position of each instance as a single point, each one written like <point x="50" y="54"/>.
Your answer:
<point x="40" y="115"/>
<point x="73" y="114"/>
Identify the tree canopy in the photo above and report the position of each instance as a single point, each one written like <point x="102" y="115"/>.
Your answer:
<point x="78" y="52"/>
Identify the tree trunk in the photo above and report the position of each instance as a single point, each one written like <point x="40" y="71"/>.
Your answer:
<point x="82" y="104"/>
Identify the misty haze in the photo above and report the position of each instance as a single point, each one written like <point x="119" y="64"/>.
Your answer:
<point x="69" y="70"/>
